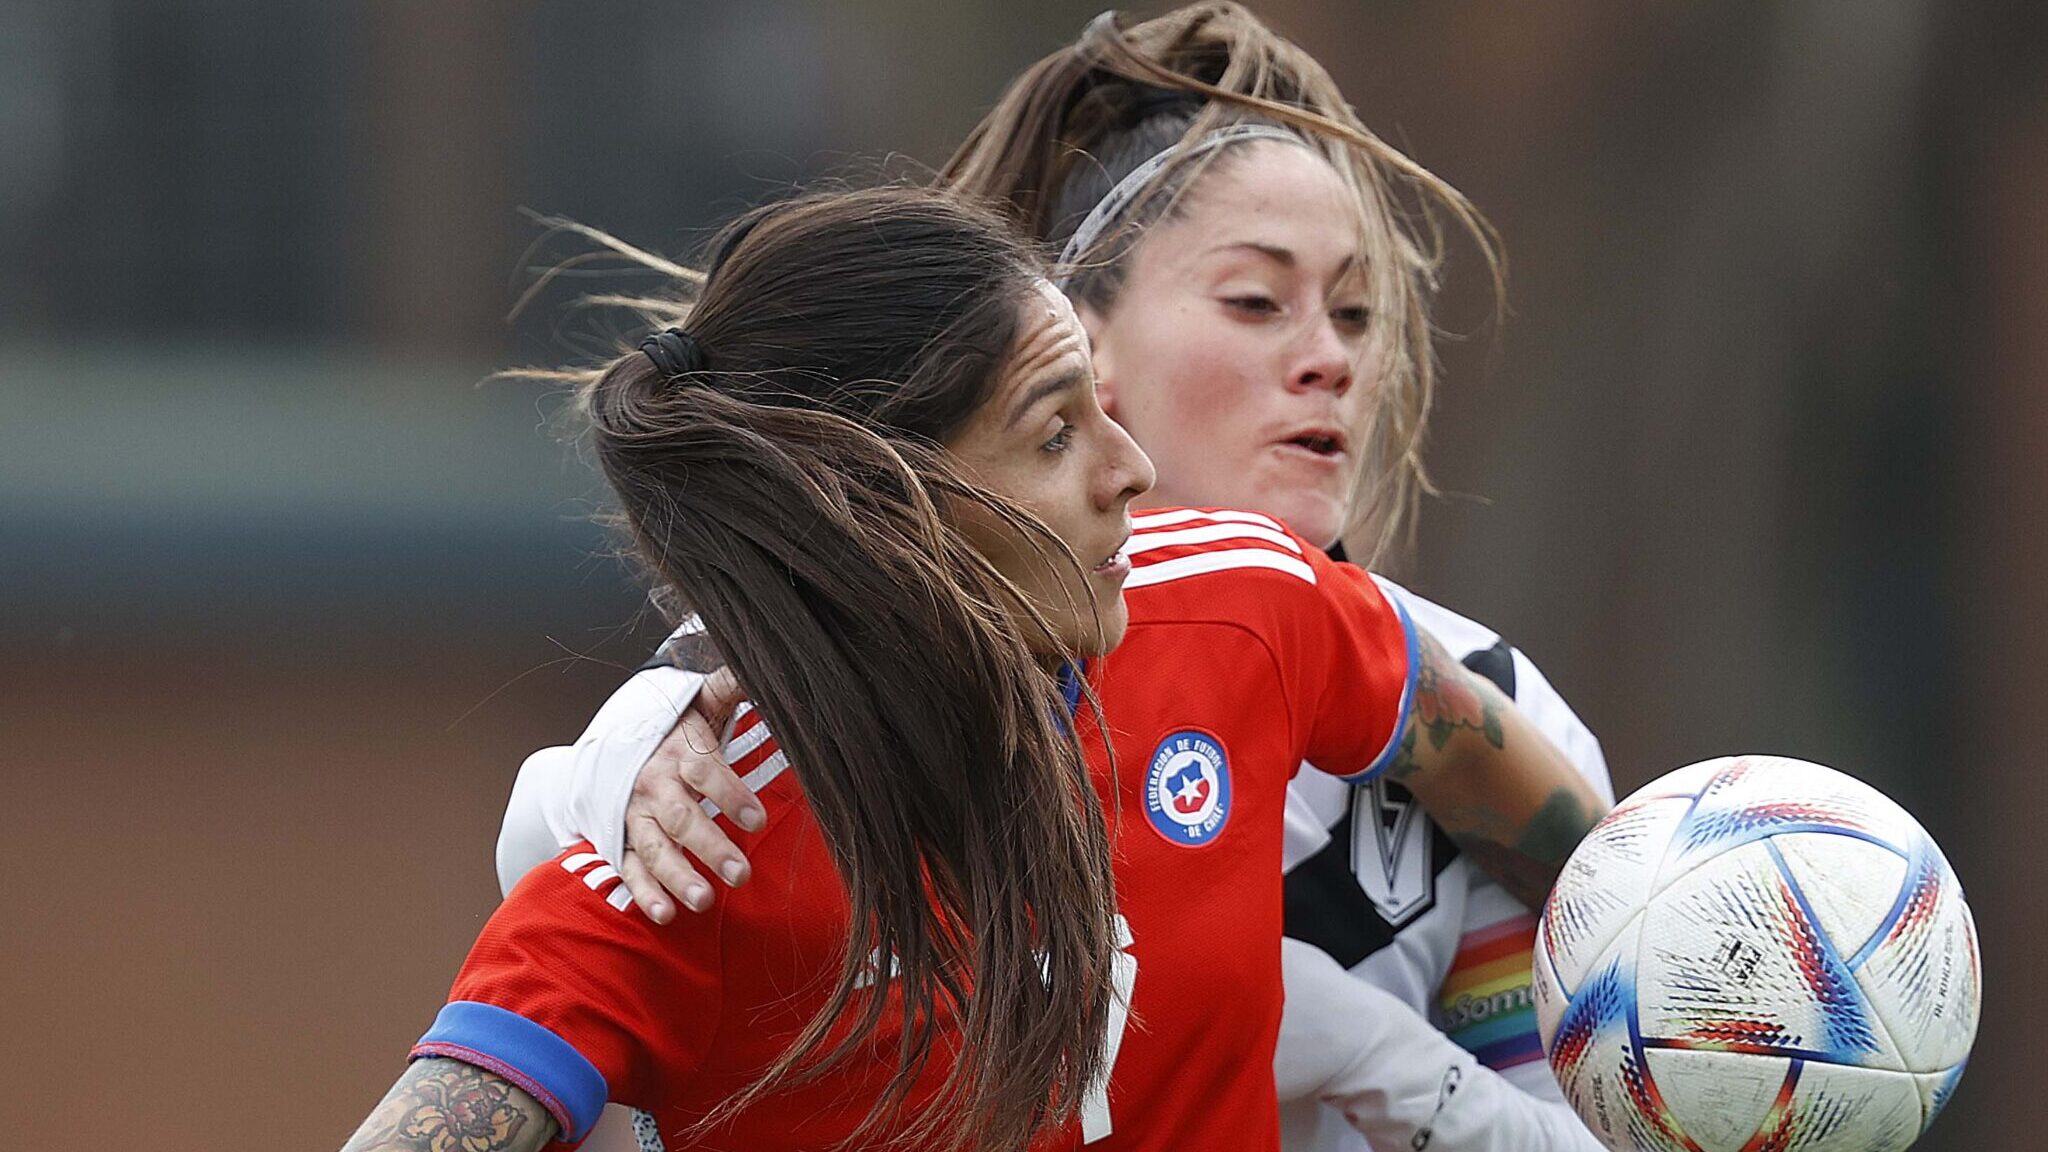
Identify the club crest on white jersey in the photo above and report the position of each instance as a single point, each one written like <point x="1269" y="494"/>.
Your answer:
<point x="1391" y="851"/>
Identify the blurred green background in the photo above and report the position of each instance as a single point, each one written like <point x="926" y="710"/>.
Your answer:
<point x="1758" y="461"/>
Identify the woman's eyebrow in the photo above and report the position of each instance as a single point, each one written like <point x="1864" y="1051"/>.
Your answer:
<point x="1283" y="256"/>
<point x="1272" y="251"/>
<point x="1039" y="391"/>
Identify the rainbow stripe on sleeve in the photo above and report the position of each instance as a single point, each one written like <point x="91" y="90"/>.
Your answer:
<point x="1485" y="999"/>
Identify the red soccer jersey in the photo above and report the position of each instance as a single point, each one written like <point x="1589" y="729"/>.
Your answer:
<point x="577" y="998"/>
<point x="1248" y="653"/>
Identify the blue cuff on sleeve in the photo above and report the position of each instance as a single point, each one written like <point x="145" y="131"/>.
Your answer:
<point x="1386" y="756"/>
<point x="543" y="1065"/>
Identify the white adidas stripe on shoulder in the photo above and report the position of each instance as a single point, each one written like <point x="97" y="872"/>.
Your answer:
<point x="1181" y="567"/>
<point x="741" y="745"/>
<point x="1185" y="515"/>
<point x="1143" y="542"/>
<point x="757" y="779"/>
<point x="1189" y="527"/>
<point x="620" y="897"/>
<point x="747" y="741"/>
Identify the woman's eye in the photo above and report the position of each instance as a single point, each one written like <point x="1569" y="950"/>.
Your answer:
<point x="1356" y="318"/>
<point x="1060" y="439"/>
<point x="1258" y="305"/>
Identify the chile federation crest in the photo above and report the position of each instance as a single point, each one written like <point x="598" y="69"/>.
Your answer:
<point x="1187" y="788"/>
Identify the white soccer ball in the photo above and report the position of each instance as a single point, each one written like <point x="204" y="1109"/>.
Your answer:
<point x="1757" y="953"/>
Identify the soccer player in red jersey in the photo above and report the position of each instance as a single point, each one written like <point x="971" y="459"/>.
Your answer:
<point x="1195" y="812"/>
<point x="873" y="464"/>
<point x="1248" y="652"/>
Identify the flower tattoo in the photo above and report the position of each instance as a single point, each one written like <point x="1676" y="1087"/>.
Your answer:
<point x="467" y="1116"/>
<point x="1446" y="703"/>
<point x="448" y="1106"/>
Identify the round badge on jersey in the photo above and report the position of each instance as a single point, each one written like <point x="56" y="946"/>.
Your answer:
<point x="1187" y="788"/>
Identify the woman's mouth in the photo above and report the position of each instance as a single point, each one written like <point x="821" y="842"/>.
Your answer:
<point x="1320" y="445"/>
<point x="1318" y="441"/>
<point x="1116" y="567"/>
<point x="1324" y="448"/>
<point x="1319" y="451"/>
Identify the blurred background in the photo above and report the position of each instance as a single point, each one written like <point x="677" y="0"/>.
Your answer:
<point x="1758" y="462"/>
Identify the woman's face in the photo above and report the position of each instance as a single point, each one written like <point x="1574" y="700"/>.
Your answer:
<point x="1235" y="350"/>
<point x="1044" y="441"/>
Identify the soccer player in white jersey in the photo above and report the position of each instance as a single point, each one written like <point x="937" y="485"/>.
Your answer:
<point x="1259" y="322"/>
<point x="1376" y="888"/>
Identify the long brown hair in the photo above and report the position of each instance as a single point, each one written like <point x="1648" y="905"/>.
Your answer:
<point x="1078" y="121"/>
<point x="787" y="482"/>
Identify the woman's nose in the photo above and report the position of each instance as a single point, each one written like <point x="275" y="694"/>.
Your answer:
<point x="1324" y="360"/>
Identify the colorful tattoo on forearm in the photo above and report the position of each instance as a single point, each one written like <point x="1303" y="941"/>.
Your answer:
<point x="1524" y="855"/>
<point x="1524" y="858"/>
<point x="1448" y="700"/>
<point x="449" y="1106"/>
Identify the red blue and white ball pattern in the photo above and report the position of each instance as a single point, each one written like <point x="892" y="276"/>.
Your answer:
<point x="1757" y="954"/>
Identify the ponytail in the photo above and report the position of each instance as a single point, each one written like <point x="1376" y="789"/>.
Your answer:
<point x="807" y="513"/>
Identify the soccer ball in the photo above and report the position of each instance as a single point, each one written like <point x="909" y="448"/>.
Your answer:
<point x="1757" y="953"/>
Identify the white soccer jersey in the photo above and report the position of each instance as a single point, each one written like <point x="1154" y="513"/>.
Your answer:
<point x="1374" y="883"/>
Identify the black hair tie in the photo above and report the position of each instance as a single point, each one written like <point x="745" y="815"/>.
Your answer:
<point x="674" y="352"/>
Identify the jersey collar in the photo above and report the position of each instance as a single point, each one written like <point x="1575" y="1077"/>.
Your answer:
<point x="1071" y="675"/>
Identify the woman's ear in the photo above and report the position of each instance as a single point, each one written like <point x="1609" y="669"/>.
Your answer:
<point x="1099" y="353"/>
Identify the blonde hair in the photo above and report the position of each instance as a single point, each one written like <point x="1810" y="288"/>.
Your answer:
<point x="1078" y="121"/>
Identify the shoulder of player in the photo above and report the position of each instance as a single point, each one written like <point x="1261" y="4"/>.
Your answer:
<point x="761" y="764"/>
<point x="755" y="756"/>
<point x="1207" y="553"/>
<point x="1487" y="652"/>
<point x="1460" y="635"/>
<point x="1512" y="670"/>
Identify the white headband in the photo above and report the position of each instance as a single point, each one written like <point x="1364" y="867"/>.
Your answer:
<point x="1118" y="198"/>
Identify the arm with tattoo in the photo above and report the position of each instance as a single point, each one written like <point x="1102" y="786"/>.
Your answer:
<point x="1497" y="786"/>
<point x="448" y="1106"/>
